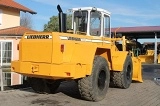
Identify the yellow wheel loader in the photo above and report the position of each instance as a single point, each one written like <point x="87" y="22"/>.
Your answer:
<point x="148" y="52"/>
<point x="86" y="53"/>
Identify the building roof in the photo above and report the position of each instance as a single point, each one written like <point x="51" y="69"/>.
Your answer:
<point x="138" y="29"/>
<point x="15" y="31"/>
<point x="138" y="32"/>
<point x="15" y="5"/>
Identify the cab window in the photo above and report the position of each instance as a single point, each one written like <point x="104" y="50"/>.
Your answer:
<point x="95" y="23"/>
<point x="106" y="26"/>
<point x="80" y="21"/>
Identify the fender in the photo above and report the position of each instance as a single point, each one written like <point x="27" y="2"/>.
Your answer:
<point x="118" y="59"/>
<point x="83" y="56"/>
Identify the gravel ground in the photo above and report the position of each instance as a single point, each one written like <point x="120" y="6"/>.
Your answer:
<point x="139" y="94"/>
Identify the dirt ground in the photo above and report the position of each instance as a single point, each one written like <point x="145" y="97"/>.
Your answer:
<point x="139" y="94"/>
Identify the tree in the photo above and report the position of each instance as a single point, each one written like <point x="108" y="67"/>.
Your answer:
<point x="53" y="24"/>
<point x="69" y="21"/>
<point x="26" y="20"/>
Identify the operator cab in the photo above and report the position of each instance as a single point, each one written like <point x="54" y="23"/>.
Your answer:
<point x="91" y="21"/>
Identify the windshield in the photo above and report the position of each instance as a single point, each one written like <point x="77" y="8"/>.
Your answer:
<point x="80" y="21"/>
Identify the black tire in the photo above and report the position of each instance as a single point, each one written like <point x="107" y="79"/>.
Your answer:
<point x="25" y="82"/>
<point x="53" y="85"/>
<point x="94" y="87"/>
<point x="123" y="79"/>
<point x="40" y="85"/>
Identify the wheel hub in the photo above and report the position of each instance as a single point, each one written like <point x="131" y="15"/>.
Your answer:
<point x="101" y="80"/>
<point x="128" y="72"/>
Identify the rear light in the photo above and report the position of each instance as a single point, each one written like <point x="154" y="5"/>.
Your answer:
<point x="17" y="46"/>
<point x="68" y="73"/>
<point x="13" y="68"/>
<point x="62" y="48"/>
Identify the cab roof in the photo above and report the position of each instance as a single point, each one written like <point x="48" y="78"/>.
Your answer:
<point x="91" y="8"/>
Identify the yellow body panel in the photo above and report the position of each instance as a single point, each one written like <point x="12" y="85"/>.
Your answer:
<point x="66" y="56"/>
<point x="49" y="71"/>
<point x="53" y="63"/>
<point x="137" y="69"/>
<point x="158" y="58"/>
<point x="146" y="58"/>
<point x="118" y="60"/>
<point x="150" y="52"/>
<point x="31" y="47"/>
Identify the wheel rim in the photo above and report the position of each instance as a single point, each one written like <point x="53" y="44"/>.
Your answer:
<point x="128" y="72"/>
<point x="101" y="79"/>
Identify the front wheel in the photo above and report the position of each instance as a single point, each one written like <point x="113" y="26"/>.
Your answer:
<point x="94" y="87"/>
<point x="123" y="79"/>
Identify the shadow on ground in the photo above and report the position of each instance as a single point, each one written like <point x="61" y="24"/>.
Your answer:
<point x="150" y="72"/>
<point x="69" y="88"/>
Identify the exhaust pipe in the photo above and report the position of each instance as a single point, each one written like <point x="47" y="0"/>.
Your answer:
<point x="62" y="20"/>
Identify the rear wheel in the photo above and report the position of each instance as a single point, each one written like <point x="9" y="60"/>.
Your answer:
<point x="95" y="86"/>
<point x="123" y="79"/>
<point x="53" y="85"/>
<point x="40" y="85"/>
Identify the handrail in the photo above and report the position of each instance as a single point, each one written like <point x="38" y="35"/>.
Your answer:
<point x="116" y="31"/>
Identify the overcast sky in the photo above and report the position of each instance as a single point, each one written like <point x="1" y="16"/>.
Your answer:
<point x="123" y="12"/>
